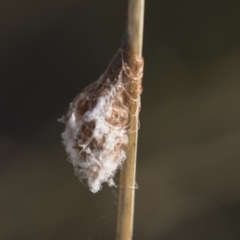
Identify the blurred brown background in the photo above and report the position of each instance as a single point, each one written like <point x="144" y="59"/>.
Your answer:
<point x="189" y="142"/>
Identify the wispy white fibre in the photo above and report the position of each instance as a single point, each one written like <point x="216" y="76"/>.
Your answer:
<point x="95" y="141"/>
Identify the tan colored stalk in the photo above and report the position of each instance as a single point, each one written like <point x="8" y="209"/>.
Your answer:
<point x="128" y="170"/>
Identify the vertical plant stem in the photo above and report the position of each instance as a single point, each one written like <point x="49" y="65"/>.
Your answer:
<point x="127" y="176"/>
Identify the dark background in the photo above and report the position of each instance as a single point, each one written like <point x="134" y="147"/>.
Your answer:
<point x="188" y="168"/>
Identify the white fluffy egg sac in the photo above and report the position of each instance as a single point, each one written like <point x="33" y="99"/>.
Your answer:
<point x="96" y="130"/>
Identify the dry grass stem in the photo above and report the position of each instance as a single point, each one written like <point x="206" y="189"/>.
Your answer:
<point x="128" y="171"/>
